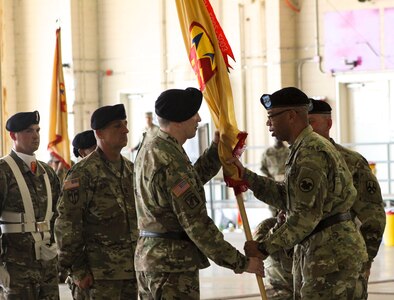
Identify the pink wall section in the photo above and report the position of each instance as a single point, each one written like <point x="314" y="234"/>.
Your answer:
<point x="389" y="37"/>
<point x="353" y="36"/>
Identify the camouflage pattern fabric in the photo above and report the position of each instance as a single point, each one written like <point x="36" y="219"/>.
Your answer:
<point x="168" y="286"/>
<point x="96" y="230"/>
<point x="18" y="252"/>
<point x="170" y="197"/>
<point x="273" y="161"/>
<point x="368" y="207"/>
<point x="278" y="278"/>
<point x="317" y="185"/>
<point x="110" y="289"/>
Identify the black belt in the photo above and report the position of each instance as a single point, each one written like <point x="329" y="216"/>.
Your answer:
<point x="327" y="222"/>
<point x="166" y="235"/>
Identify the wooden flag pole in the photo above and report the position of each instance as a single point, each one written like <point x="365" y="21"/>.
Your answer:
<point x="248" y="234"/>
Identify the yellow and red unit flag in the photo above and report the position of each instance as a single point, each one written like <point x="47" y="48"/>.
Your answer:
<point x="208" y="51"/>
<point x="59" y="143"/>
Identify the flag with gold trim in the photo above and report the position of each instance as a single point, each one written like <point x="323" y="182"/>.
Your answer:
<point x="208" y="50"/>
<point x="59" y="143"/>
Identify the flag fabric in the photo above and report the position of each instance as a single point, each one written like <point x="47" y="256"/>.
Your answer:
<point x="59" y="143"/>
<point x="208" y="51"/>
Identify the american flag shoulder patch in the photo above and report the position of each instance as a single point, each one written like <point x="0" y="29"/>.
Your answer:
<point x="180" y="188"/>
<point x="71" y="184"/>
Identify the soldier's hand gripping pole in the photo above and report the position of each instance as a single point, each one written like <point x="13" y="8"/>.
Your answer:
<point x="248" y="234"/>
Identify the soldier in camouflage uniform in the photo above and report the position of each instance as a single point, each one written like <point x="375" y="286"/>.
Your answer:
<point x="317" y="194"/>
<point x="150" y="129"/>
<point x="28" y="253"/>
<point x="369" y="206"/>
<point x="273" y="161"/>
<point x="176" y="233"/>
<point x="96" y="230"/>
<point x="278" y="265"/>
<point x="273" y="164"/>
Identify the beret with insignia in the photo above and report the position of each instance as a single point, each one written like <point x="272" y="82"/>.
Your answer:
<point x="319" y="107"/>
<point x="178" y="105"/>
<point x="103" y="115"/>
<point x="83" y="140"/>
<point x="286" y="97"/>
<point x="21" y="121"/>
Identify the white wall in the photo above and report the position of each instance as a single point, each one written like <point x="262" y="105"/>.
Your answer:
<point x="141" y="43"/>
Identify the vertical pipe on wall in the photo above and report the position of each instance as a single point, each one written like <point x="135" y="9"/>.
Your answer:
<point x="241" y="11"/>
<point x="164" y="59"/>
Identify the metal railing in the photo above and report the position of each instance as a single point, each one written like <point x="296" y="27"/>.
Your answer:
<point x="220" y="197"/>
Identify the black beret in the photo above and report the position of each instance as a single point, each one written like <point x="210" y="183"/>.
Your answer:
<point x="103" y="115"/>
<point x="289" y="96"/>
<point x="178" y="105"/>
<point x="319" y="107"/>
<point x="22" y="120"/>
<point x="83" y="140"/>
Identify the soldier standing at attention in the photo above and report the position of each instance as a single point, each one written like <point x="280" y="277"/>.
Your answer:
<point x="29" y="190"/>
<point x="273" y="165"/>
<point x="273" y="161"/>
<point x="317" y="195"/>
<point x="369" y="206"/>
<point x="150" y="129"/>
<point x="96" y="230"/>
<point x="176" y="233"/>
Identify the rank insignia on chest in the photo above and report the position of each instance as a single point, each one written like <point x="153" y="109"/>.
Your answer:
<point x="71" y="184"/>
<point x="180" y="188"/>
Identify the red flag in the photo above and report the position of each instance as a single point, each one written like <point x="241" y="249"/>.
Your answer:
<point x="59" y="143"/>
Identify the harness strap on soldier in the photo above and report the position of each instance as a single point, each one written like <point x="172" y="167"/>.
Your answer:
<point x="329" y="221"/>
<point x="39" y="230"/>
<point x="172" y="235"/>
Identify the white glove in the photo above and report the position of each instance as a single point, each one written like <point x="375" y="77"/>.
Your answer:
<point x="48" y="252"/>
<point x="4" y="278"/>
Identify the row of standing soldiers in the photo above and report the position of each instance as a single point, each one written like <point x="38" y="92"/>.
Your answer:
<point x="123" y="230"/>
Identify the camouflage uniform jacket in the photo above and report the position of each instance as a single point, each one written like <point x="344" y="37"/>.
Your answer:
<point x="317" y="185"/>
<point x="369" y="206"/>
<point x="273" y="162"/>
<point x="170" y="197"/>
<point x="96" y="230"/>
<point x="19" y="247"/>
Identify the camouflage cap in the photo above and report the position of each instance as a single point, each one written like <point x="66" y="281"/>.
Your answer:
<point x="178" y="105"/>
<point x="319" y="107"/>
<point x="286" y="97"/>
<point x="103" y="115"/>
<point x="21" y="121"/>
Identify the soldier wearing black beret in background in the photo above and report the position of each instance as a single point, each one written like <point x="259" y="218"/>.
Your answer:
<point x="29" y="190"/>
<point x="176" y="233"/>
<point x="369" y="206"/>
<point x="96" y="230"/>
<point x="84" y="143"/>
<point x="316" y="195"/>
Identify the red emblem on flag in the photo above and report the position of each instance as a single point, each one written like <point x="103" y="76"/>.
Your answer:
<point x="202" y="54"/>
